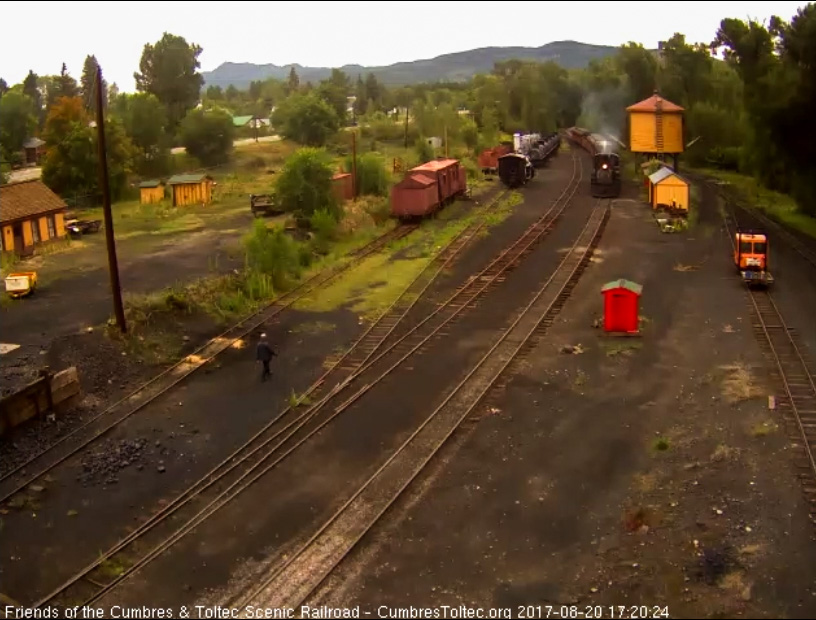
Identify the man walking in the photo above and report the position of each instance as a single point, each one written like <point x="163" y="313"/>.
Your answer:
<point x="264" y="355"/>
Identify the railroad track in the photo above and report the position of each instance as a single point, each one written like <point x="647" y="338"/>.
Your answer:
<point x="792" y="369"/>
<point x="44" y="461"/>
<point x="291" y="584"/>
<point x="359" y="370"/>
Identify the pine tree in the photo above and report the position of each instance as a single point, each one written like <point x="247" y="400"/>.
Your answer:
<point x="88" y="83"/>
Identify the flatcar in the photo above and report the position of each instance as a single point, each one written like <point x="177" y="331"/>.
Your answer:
<point x="427" y="188"/>
<point x="515" y="169"/>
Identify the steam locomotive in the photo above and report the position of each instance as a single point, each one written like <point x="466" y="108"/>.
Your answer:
<point x="605" y="180"/>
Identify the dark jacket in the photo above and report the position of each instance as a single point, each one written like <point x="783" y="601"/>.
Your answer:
<point x="265" y="352"/>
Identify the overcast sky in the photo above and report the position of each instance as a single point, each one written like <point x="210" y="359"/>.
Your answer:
<point x="43" y="35"/>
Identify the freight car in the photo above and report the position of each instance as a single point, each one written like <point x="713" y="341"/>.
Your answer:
<point x="489" y="158"/>
<point x="542" y="149"/>
<point x="515" y="169"/>
<point x="427" y="188"/>
<point x="606" y="176"/>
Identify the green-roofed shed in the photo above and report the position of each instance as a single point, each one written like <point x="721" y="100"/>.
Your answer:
<point x="621" y="306"/>
<point x="191" y="189"/>
<point x="242" y="121"/>
<point x="151" y="191"/>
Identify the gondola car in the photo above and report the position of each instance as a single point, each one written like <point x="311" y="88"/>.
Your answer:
<point x="515" y="169"/>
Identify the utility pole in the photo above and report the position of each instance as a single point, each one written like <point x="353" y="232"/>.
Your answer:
<point x="406" y="126"/>
<point x="113" y="265"/>
<point x="446" y="141"/>
<point x="354" y="164"/>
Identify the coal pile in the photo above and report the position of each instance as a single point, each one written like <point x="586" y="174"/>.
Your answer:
<point x="104" y="465"/>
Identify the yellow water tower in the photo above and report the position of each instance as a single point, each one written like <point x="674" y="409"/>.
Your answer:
<point x="656" y="128"/>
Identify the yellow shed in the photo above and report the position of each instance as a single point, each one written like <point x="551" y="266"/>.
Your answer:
<point x="669" y="190"/>
<point x="30" y="214"/>
<point x="151" y="191"/>
<point x="190" y="189"/>
<point x="655" y="126"/>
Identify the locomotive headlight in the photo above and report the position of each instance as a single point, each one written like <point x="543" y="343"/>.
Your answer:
<point x="604" y="166"/>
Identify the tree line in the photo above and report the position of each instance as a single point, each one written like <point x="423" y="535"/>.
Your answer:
<point x="748" y="112"/>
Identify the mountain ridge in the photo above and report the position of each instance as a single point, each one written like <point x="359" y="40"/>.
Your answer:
<point x="456" y="66"/>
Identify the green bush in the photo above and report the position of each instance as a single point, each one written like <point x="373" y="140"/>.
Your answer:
<point x="324" y="225"/>
<point x="424" y="151"/>
<point x="372" y="175"/>
<point x="305" y="184"/>
<point x="273" y="253"/>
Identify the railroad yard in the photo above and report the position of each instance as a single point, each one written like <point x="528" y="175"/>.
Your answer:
<point x="484" y="443"/>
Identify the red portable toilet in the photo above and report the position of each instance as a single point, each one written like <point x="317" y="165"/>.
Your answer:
<point x="621" y="301"/>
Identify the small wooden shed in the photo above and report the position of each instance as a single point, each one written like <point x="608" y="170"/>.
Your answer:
<point x="151" y="191"/>
<point x="621" y="306"/>
<point x="190" y="189"/>
<point x="669" y="190"/>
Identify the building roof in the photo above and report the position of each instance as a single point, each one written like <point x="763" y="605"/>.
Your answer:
<point x="151" y="183"/>
<point x="182" y="179"/>
<point x="33" y="143"/>
<point x="637" y="289"/>
<point x="26" y="199"/>
<point x="240" y="121"/>
<point x="663" y="174"/>
<point x="437" y="164"/>
<point x="341" y="175"/>
<point x="650" y="105"/>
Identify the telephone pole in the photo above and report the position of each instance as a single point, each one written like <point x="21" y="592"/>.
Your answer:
<point x="113" y="265"/>
<point x="354" y="164"/>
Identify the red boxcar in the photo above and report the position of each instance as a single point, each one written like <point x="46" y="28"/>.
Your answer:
<point x="489" y="158"/>
<point x="427" y="187"/>
<point x="415" y="195"/>
<point x="342" y="186"/>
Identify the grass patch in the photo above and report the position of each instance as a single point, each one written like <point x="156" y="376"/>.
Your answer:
<point x="763" y="429"/>
<point x="111" y="568"/>
<point x="624" y="347"/>
<point x="316" y="327"/>
<point x="661" y="444"/>
<point x="738" y="384"/>
<point x="368" y="289"/>
<point x="780" y="207"/>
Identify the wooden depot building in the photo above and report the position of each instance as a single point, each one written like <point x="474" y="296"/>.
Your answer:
<point x="151" y="191"/>
<point x="30" y="214"/>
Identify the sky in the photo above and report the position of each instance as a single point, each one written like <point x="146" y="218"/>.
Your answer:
<point x="330" y="34"/>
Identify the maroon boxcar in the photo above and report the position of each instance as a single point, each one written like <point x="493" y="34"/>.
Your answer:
<point x="427" y="187"/>
<point x="416" y="195"/>
<point x="342" y="186"/>
<point x="489" y="158"/>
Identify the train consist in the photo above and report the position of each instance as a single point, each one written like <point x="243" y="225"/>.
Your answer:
<point x="606" y="176"/>
<point x="427" y="188"/>
<point x="537" y="147"/>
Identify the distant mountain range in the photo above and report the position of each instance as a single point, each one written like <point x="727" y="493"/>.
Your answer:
<point x="448" y="67"/>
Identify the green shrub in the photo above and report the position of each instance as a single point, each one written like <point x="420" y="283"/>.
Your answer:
<point x="305" y="184"/>
<point x="424" y="150"/>
<point x="274" y="253"/>
<point x="372" y="175"/>
<point x="324" y="225"/>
